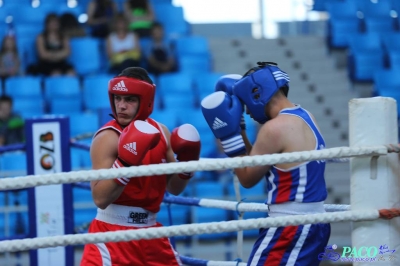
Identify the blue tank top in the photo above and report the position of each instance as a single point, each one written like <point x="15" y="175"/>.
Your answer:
<point x="304" y="182"/>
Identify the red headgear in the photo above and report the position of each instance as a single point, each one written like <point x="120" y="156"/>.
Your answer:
<point x="131" y="86"/>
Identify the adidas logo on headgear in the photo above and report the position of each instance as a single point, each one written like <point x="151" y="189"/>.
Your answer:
<point x="120" y="86"/>
<point x="218" y="123"/>
<point x="131" y="147"/>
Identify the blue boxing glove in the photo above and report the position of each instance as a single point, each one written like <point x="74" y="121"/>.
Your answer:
<point x="225" y="83"/>
<point x="222" y="113"/>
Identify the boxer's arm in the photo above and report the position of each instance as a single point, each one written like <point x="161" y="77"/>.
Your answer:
<point x="103" y="152"/>
<point x="269" y="140"/>
<point x="175" y="184"/>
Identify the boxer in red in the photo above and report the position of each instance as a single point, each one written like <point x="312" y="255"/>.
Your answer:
<point x="132" y="138"/>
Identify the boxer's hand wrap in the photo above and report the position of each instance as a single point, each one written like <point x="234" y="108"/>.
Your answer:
<point x="225" y="83"/>
<point x="222" y="113"/>
<point x="185" y="142"/>
<point x="134" y="142"/>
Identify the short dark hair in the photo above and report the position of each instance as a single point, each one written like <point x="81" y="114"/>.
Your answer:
<point x="6" y="98"/>
<point x="137" y="73"/>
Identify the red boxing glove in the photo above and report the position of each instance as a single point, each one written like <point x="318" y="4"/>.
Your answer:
<point x="134" y="142"/>
<point x="185" y="142"/>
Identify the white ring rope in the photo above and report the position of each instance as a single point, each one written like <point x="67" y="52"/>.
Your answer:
<point x="187" y="229"/>
<point x="202" y="165"/>
<point x="254" y="206"/>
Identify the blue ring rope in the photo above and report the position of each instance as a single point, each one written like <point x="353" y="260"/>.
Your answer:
<point x="12" y="147"/>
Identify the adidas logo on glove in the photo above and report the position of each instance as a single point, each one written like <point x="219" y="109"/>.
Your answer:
<point x="218" y="123"/>
<point x="131" y="147"/>
<point x="120" y="86"/>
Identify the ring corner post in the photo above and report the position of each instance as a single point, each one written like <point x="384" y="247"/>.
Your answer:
<point x="375" y="181"/>
<point x="50" y="207"/>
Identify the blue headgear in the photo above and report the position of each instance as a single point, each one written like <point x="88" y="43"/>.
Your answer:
<point x="257" y="87"/>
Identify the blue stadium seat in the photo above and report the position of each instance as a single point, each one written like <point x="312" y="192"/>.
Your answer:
<point x="180" y="214"/>
<point x="380" y="25"/>
<point x="319" y="5"/>
<point x="27" y="30"/>
<point x="18" y="195"/>
<point x="194" y="64"/>
<point x="194" y="117"/>
<point x="256" y="193"/>
<point x="28" y="15"/>
<point x="13" y="161"/>
<point x="386" y="80"/>
<point x="62" y="86"/>
<point x="95" y="92"/>
<point x="179" y="102"/>
<point x="392" y="93"/>
<point x="173" y="20"/>
<point x="85" y="55"/>
<point x="27" y="51"/>
<point x="377" y="9"/>
<point x="76" y="162"/>
<point x="82" y="123"/>
<point x="209" y="189"/>
<point x="205" y="83"/>
<point x="192" y="45"/>
<point x="343" y="22"/>
<point x="19" y="223"/>
<point x="66" y="105"/>
<point x="391" y="42"/>
<point x="394" y="59"/>
<point x="366" y="55"/>
<point x="82" y="195"/>
<point x="2" y="225"/>
<point x="7" y="10"/>
<point x="85" y="155"/>
<point x="168" y="117"/>
<point x="76" y="11"/>
<point x="27" y="86"/>
<point x="28" y="107"/>
<point x="175" y="83"/>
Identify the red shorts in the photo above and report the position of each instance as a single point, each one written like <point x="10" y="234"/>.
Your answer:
<point x="153" y="252"/>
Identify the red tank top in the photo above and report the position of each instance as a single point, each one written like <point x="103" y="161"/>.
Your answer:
<point x="146" y="192"/>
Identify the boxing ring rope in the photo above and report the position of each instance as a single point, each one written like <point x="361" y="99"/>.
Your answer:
<point x="202" y="165"/>
<point x="238" y="206"/>
<point x="195" y="229"/>
<point x="192" y="229"/>
<point x="365" y="157"/>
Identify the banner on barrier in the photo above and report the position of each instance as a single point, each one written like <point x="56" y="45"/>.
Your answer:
<point x="50" y="207"/>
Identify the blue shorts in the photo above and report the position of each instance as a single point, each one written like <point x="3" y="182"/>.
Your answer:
<point x="291" y="245"/>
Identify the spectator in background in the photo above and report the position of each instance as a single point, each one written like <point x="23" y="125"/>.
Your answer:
<point x="9" y="58"/>
<point x="100" y="17"/>
<point x="53" y="50"/>
<point x="11" y="125"/>
<point x="140" y="15"/>
<point x="123" y="47"/>
<point x="70" y="26"/>
<point x="159" y="55"/>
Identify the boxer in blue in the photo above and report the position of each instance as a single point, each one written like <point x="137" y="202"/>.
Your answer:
<point x="293" y="188"/>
